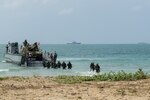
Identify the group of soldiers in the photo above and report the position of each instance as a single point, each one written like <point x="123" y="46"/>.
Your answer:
<point x="50" y="61"/>
<point x="27" y="47"/>
<point x="94" y="67"/>
<point x="52" y="57"/>
<point x="30" y="50"/>
<point x="63" y="65"/>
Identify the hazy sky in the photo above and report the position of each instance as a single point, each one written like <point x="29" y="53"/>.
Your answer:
<point x="87" y="21"/>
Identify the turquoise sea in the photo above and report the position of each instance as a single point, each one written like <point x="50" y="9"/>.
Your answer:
<point x="111" y="57"/>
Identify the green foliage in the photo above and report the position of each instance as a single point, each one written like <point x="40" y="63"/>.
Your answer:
<point x="2" y="78"/>
<point x="140" y="75"/>
<point x="111" y="76"/>
<point x="73" y="79"/>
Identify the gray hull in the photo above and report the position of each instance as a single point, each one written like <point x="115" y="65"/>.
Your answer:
<point x="13" y="58"/>
<point x="16" y="59"/>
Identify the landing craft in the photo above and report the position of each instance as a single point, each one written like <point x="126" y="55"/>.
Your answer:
<point x="27" y="55"/>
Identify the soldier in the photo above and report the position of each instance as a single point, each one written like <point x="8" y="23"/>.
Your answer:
<point x="55" y="57"/>
<point x="64" y="65"/>
<point x="48" y="64"/>
<point x="7" y="48"/>
<point x="25" y="43"/>
<point x="51" y="57"/>
<point x="44" y="64"/>
<point x="35" y="47"/>
<point x="97" y="68"/>
<point x="69" y="65"/>
<point x="58" y="64"/>
<point x="92" y="67"/>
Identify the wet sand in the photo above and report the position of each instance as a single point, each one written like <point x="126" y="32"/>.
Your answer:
<point x="45" y="88"/>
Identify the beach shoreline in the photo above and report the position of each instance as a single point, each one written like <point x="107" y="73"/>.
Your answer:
<point x="46" y="88"/>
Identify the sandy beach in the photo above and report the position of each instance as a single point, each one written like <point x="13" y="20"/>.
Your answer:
<point x="45" y="88"/>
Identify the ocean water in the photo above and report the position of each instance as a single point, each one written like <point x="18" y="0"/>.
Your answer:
<point x="110" y="57"/>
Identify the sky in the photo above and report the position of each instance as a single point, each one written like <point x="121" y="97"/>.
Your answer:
<point x="86" y="21"/>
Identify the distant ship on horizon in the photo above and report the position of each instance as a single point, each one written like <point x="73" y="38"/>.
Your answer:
<point x="74" y="42"/>
<point x="143" y="43"/>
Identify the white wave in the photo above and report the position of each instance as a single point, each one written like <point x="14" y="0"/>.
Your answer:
<point x="79" y="59"/>
<point x="88" y="73"/>
<point x="4" y="70"/>
<point x="3" y="61"/>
